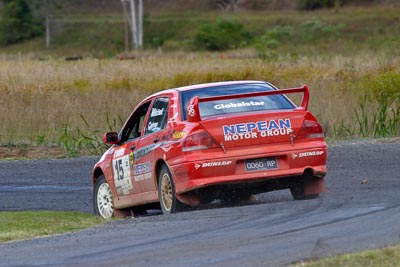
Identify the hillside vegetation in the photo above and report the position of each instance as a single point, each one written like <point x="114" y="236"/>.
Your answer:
<point x="349" y="57"/>
<point x="82" y="32"/>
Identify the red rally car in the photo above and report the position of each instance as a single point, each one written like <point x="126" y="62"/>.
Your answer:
<point x="194" y="144"/>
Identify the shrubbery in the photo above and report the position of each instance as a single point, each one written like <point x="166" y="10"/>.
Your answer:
<point x="17" y="22"/>
<point x="228" y="34"/>
<point x="224" y="34"/>
<point x="312" y="30"/>
<point x="308" y="31"/>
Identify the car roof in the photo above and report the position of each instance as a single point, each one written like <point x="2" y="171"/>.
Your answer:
<point x="204" y="85"/>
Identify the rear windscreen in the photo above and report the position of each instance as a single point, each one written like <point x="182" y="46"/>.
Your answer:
<point x="242" y="104"/>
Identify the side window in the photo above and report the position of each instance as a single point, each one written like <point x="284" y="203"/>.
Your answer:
<point x="134" y="125"/>
<point x="158" y="116"/>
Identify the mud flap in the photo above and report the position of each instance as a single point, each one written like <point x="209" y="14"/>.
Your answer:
<point x="314" y="185"/>
<point x="122" y="213"/>
<point x="189" y="199"/>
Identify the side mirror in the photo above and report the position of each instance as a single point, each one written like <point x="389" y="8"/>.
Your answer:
<point x="111" y="138"/>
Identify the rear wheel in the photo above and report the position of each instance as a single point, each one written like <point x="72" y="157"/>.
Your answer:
<point x="103" y="199"/>
<point x="166" y="192"/>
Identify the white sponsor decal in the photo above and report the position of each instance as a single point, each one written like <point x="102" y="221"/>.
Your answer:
<point x="156" y="112"/>
<point x="122" y="175"/>
<point x="239" y="105"/>
<point x="251" y="130"/>
<point x="119" y="152"/>
<point x="152" y="125"/>
<point x="310" y="154"/>
<point x="213" y="164"/>
<point x="191" y="111"/>
<point x="142" y="171"/>
<point x="307" y="154"/>
<point x="142" y="177"/>
<point x="175" y="116"/>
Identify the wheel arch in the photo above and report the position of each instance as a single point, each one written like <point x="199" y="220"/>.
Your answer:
<point x="157" y="169"/>
<point x="96" y="174"/>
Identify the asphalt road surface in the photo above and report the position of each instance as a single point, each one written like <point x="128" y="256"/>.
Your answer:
<point x="361" y="210"/>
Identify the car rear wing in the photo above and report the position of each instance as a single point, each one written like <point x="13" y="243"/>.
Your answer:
<point x="193" y="112"/>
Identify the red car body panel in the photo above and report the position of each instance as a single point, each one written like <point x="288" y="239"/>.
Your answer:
<point x="241" y="146"/>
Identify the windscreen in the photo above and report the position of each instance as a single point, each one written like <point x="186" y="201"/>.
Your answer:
<point x="237" y="105"/>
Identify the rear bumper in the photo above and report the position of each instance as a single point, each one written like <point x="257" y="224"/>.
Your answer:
<point x="221" y="169"/>
<point x="189" y="185"/>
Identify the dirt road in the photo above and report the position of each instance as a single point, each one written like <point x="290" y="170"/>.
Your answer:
<point x="360" y="210"/>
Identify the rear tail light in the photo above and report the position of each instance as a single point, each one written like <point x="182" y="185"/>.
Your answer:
<point x="310" y="129"/>
<point x="198" y="141"/>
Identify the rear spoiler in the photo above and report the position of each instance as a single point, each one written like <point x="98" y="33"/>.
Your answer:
<point x="193" y="112"/>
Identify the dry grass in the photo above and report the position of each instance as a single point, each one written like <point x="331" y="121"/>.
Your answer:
<point x="40" y="98"/>
<point x="387" y="257"/>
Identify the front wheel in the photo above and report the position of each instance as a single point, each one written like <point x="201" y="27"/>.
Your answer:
<point x="166" y="192"/>
<point x="103" y="199"/>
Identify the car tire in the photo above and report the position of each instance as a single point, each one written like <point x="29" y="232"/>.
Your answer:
<point x="297" y="192"/>
<point x="103" y="199"/>
<point x="166" y="192"/>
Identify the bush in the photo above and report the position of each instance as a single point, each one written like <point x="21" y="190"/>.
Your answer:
<point x="312" y="30"/>
<point x="17" y="23"/>
<point x="266" y="44"/>
<point x="309" y="31"/>
<point x="224" y="34"/>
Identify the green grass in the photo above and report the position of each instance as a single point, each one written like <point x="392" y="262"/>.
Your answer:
<point x="29" y="224"/>
<point x="388" y="257"/>
<point x="102" y="35"/>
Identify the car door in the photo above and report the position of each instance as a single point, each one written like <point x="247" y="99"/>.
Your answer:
<point x="149" y="145"/>
<point x="123" y="157"/>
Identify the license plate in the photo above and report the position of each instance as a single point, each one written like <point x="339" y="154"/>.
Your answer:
<point x="261" y="164"/>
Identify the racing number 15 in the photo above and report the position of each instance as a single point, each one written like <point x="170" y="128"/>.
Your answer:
<point x="119" y="169"/>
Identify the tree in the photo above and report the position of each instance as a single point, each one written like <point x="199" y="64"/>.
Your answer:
<point x="17" y="23"/>
<point x="134" y="18"/>
<point x="45" y="10"/>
